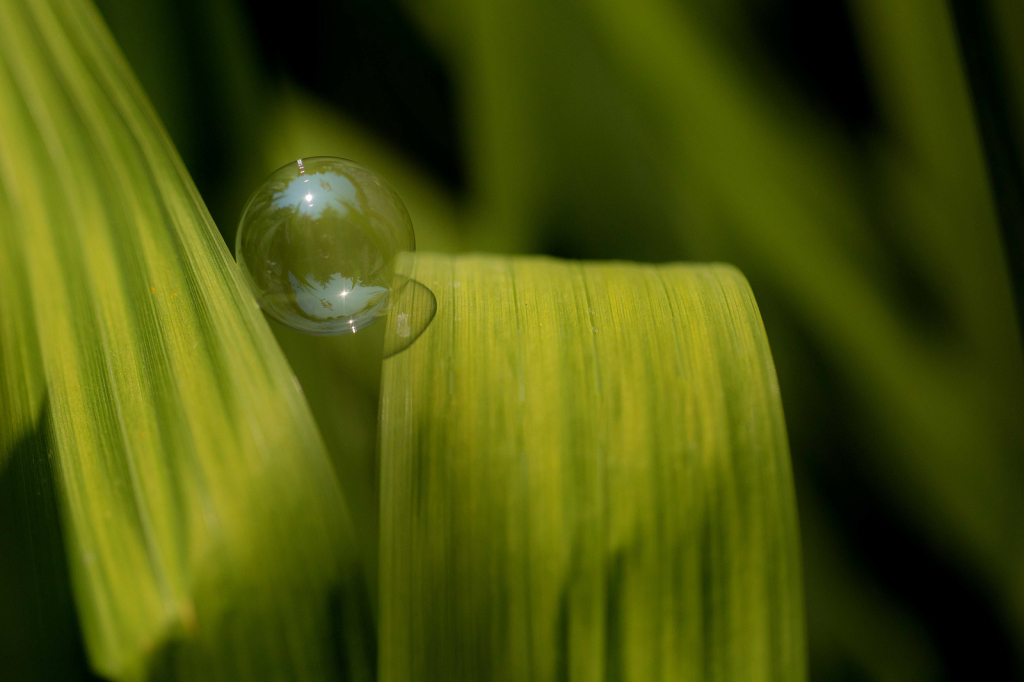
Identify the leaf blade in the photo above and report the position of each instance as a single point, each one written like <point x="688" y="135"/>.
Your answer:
<point x="585" y="475"/>
<point x="207" y="536"/>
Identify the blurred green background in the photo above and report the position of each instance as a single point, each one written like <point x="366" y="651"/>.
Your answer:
<point x="860" y="161"/>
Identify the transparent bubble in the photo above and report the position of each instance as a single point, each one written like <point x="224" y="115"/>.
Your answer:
<point x="318" y="242"/>
<point x="412" y="310"/>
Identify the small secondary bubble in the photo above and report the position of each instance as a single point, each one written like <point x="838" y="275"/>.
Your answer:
<point x="412" y="311"/>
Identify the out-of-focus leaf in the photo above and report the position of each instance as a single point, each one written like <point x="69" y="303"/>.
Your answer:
<point x="951" y="419"/>
<point x="302" y="127"/>
<point x="559" y="153"/>
<point x="991" y="34"/>
<point x="585" y="475"/>
<point x="205" y="533"/>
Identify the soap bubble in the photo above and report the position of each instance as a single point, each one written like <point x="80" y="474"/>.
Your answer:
<point x="412" y="310"/>
<point x="317" y="245"/>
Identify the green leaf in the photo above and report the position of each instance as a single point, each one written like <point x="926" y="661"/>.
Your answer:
<point x="585" y="475"/>
<point x="875" y="252"/>
<point x="205" y="532"/>
<point x="22" y="386"/>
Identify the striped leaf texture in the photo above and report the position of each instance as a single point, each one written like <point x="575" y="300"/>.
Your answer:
<point x="205" y="532"/>
<point x="585" y="475"/>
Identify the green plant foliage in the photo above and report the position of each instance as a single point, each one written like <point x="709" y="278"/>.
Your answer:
<point x="876" y="256"/>
<point x="662" y="130"/>
<point x="205" y="534"/>
<point x="585" y="475"/>
<point x="947" y="450"/>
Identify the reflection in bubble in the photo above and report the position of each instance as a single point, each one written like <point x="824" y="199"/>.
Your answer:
<point x="339" y="297"/>
<point x="318" y="242"/>
<point x="311" y="193"/>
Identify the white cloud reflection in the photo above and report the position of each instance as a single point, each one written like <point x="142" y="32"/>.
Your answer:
<point x="341" y="297"/>
<point x="311" y="193"/>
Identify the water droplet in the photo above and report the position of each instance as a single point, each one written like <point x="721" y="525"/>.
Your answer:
<point x="317" y="245"/>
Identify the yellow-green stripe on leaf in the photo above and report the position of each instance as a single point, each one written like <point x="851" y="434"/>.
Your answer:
<point x="206" y="534"/>
<point x="585" y="476"/>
